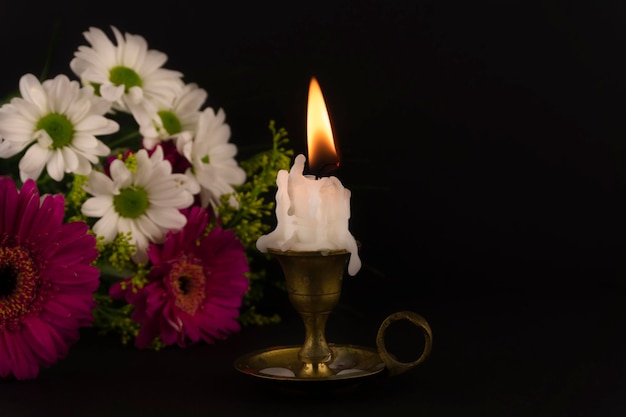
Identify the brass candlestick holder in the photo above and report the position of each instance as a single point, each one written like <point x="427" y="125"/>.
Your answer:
<point x="314" y="280"/>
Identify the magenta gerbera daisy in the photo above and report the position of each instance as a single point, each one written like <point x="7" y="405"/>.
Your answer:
<point x="195" y="287"/>
<point x="47" y="280"/>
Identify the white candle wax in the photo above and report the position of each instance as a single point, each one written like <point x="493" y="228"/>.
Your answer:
<point x="312" y="215"/>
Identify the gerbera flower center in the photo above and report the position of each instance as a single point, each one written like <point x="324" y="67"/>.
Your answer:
<point x="184" y="285"/>
<point x="171" y="123"/>
<point x="188" y="282"/>
<point x="59" y="128"/>
<point x="19" y="282"/>
<point x="125" y="76"/>
<point x="131" y="202"/>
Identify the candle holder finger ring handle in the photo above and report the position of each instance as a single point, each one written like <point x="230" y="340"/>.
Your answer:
<point x="395" y="367"/>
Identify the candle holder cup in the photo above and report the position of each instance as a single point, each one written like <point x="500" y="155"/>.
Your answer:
<point x="314" y="282"/>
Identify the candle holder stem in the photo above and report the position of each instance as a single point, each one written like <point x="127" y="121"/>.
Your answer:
<point x="315" y="348"/>
<point x="314" y="282"/>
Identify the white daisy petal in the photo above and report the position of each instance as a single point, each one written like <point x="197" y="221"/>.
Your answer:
<point x="107" y="226"/>
<point x="55" y="164"/>
<point x="136" y="51"/>
<point x="62" y="94"/>
<point x="85" y="142"/>
<point x="27" y="113"/>
<point x="89" y="148"/>
<point x="32" y="91"/>
<point x="97" y="206"/>
<point x="96" y="125"/>
<point x="69" y="159"/>
<point x="134" y="96"/>
<point x="32" y="163"/>
<point x="84" y="166"/>
<point x="167" y="218"/>
<point x="149" y="228"/>
<point x="99" y="184"/>
<point x="43" y="139"/>
<point x="8" y="149"/>
<point x="112" y="92"/>
<point x="120" y="173"/>
<point x="153" y="61"/>
<point x="124" y="224"/>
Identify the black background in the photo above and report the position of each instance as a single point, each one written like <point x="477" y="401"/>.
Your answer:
<point x="485" y="149"/>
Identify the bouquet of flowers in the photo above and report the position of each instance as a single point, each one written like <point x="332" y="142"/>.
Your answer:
<point x="123" y="206"/>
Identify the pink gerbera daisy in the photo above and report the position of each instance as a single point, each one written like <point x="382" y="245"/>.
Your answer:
<point x="196" y="284"/>
<point x="46" y="279"/>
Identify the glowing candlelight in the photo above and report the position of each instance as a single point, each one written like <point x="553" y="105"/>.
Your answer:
<point x="320" y="141"/>
<point x="313" y="213"/>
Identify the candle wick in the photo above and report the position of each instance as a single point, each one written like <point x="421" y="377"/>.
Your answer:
<point x="326" y="170"/>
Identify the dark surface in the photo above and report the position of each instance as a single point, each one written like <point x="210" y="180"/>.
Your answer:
<point x="532" y="357"/>
<point x="485" y="148"/>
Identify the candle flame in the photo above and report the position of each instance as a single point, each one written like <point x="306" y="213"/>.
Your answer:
<point x="320" y="141"/>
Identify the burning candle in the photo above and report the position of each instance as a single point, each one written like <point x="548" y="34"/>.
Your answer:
<point x="312" y="211"/>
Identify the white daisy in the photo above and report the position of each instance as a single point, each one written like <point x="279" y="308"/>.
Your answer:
<point x="59" y="120"/>
<point x="143" y="198"/>
<point x="212" y="158"/>
<point x="180" y="119"/>
<point x="126" y="73"/>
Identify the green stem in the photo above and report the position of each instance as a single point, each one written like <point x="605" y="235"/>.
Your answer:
<point x="53" y="43"/>
<point x="123" y="140"/>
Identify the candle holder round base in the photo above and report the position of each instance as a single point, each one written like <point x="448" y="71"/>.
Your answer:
<point x="348" y="362"/>
<point x="314" y="281"/>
